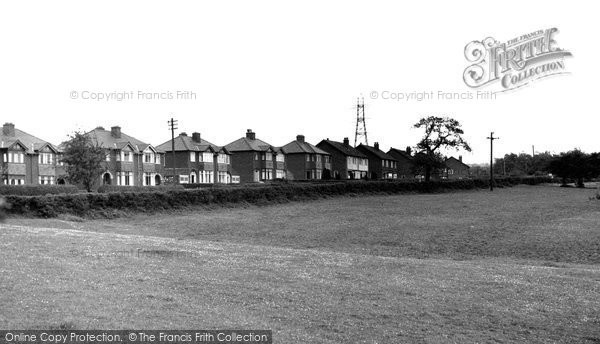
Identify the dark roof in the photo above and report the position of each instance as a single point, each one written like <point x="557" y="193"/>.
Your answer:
<point x="186" y="143"/>
<point x="453" y="159"/>
<point x="400" y="152"/>
<point x="342" y="148"/>
<point x="105" y="139"/>
<point x="31" y="143"/>
<point x="246" y="144"/>
<point x="302" y="147"/>
<point x="375" y="151"/>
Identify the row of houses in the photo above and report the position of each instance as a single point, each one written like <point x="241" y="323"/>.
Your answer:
<point x="27" y="159"/>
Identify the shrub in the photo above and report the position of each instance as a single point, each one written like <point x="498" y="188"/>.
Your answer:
<point x="122" y="188"/>
<point x="151" y="199"/>
<point x="35" y="190"/>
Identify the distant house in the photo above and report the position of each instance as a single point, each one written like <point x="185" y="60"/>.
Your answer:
<point x="26" y="159"/>
<point x="305" y="161"/>
<point x="381" y="164"/>
<point x="455" y="169"/>
<point x="197" y="160"/>
<point x="346" y="161"/>
<point x="129" y="161"/>
<point x="255" y="160"/>
<point x="405" y="162"/>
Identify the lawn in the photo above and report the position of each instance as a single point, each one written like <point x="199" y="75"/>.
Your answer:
<point x="521" y="264"/>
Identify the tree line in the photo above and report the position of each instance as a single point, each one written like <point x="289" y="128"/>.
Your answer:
<point x="572" y="166"/>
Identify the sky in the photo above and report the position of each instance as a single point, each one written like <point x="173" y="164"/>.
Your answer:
<point x="288" y="68"/>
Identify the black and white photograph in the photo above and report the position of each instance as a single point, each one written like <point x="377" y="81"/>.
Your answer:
<point x="258" y="172"/>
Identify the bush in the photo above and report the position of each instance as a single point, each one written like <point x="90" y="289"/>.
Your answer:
<point x="152" y="199"/>
<point x="34" y="190"/>
<point x="122" y="188"/>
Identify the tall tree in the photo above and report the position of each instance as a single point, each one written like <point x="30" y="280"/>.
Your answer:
<point x="575" y="164"/>
<point x="83" y="159"/>
<point x="440" y="133"/>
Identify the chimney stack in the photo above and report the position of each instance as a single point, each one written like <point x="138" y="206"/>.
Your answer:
<point x="408" y="150"/>
<point x="8" y="129"/>
<point x="346" y="142"/>
<point x="460" y="158"/>
<point x="115" y="132"/>
<point x="300" y="138"/>
<point x="196" y="137"/>
<point x="250" y="134"/>
<point x="376" y="145"/>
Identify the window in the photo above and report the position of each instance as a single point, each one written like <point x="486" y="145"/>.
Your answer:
<point x="184" y="179"/>
<point x="125" y="178"/>
<point x="223" y="177"/>
<point x="16" y="158"/>
<point x="223" y="158"/>
<point x="193" y="156"/>
<point x="148" y="179"/>
<point x="280" y="157"/>
<point x="45" y="158"/>
<point x="266" y="174"/>
<point x="318" y="158"/>
<point x="255" y="156"/>
<point x="157" y="159"/>
<point x="108" y="157"/>
<point x="126" y="156"/>
<point x="279" y="174"/>
<point x="268" y="156"/>
<point x="46" y="180"/>
<point x="207" y="157"/>
<point x="148" y="158"/>
<point x="307" y="157"/>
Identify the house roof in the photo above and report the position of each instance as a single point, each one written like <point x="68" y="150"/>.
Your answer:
<point x="376" y="152"/>
<point x="400" y="152"/>
<point x="105" y="139"/>
<point x="342" y="148"/>
<point x="296" y="146"/>
<point x="246" y="144"/>
<point x="187" y="143"/>
<point x="31" y="143"/>
<point x="453" y="159"/>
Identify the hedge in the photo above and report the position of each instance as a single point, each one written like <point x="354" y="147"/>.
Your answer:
<point x="122" y="188"/>
<point x="33" y="190"/>
<point x="107" y="203"/>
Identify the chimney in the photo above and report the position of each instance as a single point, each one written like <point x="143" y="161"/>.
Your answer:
<point x="346" y="142"/>
<point x="300" y="138"/>
<point x="460" y="158"/>
<point x="8" y="129"/>
<point x="115" y="132"/>
<point x="196" y="137"/>
<point x="376" y="145"/>
<point x="250" y="134"/>
<point x="408" y="150"/>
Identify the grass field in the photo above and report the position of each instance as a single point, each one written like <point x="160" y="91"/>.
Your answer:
<point x="521" y="264"/>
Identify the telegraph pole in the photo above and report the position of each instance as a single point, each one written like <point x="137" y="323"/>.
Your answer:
<point x="492" y="138"/>
<point x="172" y="126"/>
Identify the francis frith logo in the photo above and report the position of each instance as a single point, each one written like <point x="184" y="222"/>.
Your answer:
<point x="514" y="63"/>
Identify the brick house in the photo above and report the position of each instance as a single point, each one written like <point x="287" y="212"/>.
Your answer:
<point x="129" y="161"/>
<point x="197" y="160"/>
<point x="305" y="161"/>
<point x="404" y="162"/>
<point x="255" y="160"/>
<point x="381" y="165"/>
<point x="455" y="169"/>
<point x="346" y="161"/>
<point x="26" y="159"/>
